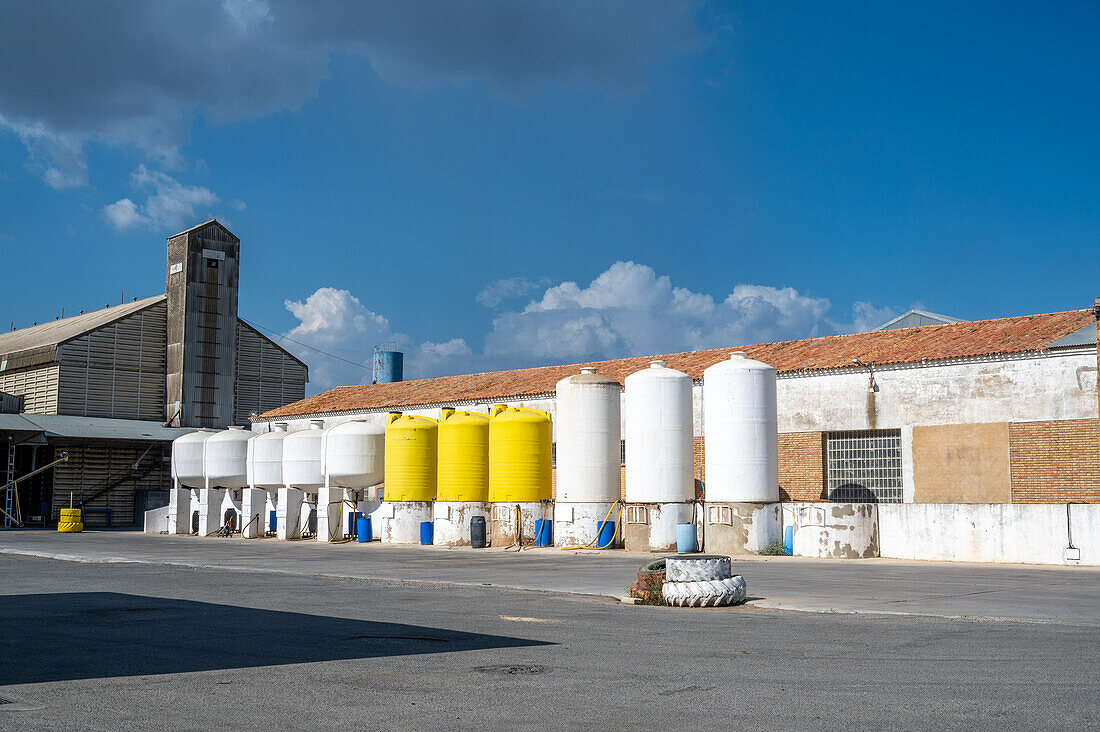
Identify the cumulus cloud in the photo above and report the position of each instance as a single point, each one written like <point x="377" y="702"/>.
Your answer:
<point x="169" y="204"/>
<point x="628" y="310"/>
<point x="338" y="323"/>
<point x="132" y="74"/>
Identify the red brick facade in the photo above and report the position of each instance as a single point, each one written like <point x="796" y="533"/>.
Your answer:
<point x="802" y="466"/>
<point x="1055" y="462"/>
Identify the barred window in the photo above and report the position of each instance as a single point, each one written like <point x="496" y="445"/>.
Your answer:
<point x="864" y="466"/>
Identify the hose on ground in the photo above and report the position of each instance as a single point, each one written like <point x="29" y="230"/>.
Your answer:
<point x="596" y="538"/>
<point x="255" y="518"/>
<point x="332" y="536"/>
<point x="517" y="544"/>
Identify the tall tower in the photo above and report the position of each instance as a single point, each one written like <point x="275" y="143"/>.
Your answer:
<point x="201" y="360"/>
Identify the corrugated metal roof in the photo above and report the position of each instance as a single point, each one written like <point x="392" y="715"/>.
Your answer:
<point x="881" y="347"/>
<point x="915" y="317"/>
<point x="59" y="425"/>
<point x="58" y="331"/>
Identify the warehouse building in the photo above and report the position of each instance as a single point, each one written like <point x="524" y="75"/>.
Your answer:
<point x="1001" y="411"/>
<point x="112" y="388"/>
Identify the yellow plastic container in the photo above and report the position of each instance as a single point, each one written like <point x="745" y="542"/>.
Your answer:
<point x="463" y="457"/>
<point x="70" y="521"/>
<point x="411" y="451"/>
<point x="520" y="442"/>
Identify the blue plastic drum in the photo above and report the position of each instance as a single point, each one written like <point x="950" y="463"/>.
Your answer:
<point x="427" y="529"/>
<point x="686" y="542"/>
<point x="544" y="532"/>
<point x="605" y="535"/>
<point x="363" y="529"/>
<point x="788" y="540"/>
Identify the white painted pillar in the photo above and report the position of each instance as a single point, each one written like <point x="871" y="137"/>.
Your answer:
<point x="210" y="513"/>
<point x="253" y="504"/>
<point x="287" y="513"/>
<point x="179" y="510"/>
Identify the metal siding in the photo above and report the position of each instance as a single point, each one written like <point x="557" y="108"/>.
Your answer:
<point x="91" y="467"/>
<point x="267" y="377"/>
<point x="38" y="386"/>
<point x="116" y="371"/>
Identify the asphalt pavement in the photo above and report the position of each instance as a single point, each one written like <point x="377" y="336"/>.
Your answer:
<point x="1066" y="595"/>
<point x="96" y="645"/>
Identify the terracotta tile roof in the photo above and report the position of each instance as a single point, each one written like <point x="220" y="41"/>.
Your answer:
<point x="898" y="346"/>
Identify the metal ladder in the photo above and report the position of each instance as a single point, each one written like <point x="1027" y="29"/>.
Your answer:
<point x="9" y="494"/>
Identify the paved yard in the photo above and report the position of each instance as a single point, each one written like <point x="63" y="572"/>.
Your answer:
<point x="1043" y="594"/>
<point x="109" y="646"/>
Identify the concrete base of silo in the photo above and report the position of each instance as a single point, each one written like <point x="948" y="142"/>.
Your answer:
<point x="288" y="514"/>
<point x="651" y="527"/>
<point x="836" y="530"/>
<point x="253" y="512"/>
<point x="179" y="510"/>
<point x="332" y="512"/>
<point x="210" y="510"/>
<point x="577" y="524"/>
<point x="399" y="521"/>
<point x="740" y="528"/>
<point x="502" y="522"/>
<point x="452" y="521"/>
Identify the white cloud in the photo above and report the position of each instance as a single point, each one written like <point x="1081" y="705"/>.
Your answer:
<point x="628" y="310"/>
<point x="170" y="204"/>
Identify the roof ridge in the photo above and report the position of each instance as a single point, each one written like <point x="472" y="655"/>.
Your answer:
<point x="917" y="344"/>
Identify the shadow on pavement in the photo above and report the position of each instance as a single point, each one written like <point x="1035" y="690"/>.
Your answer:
<point x="86" y="635"/>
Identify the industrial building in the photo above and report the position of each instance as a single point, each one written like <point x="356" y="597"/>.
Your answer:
<point x="956" y="416"/>
<point x="112" y="388"/>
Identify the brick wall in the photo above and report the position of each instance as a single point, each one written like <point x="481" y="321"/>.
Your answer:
<point x="802" y="466"/>
<point x="1055" y="462"/>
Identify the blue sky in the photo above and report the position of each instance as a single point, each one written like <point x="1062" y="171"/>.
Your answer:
<point x="495" y="184"/>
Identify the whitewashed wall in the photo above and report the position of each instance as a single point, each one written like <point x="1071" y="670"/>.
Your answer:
<point x="990" y="532"/>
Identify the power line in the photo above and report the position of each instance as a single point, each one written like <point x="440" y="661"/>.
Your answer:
<point x="305" y="345"/>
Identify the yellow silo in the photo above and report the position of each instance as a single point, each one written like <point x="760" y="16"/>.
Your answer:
<point x="463" y="457"/>
<point x="411" y="452"/>
<point x="520" y="443"/>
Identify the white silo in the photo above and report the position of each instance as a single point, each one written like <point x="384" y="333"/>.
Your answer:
<point x="225" y="468"/>
<point x="589" y="458"/>
<point x="660" y="457"/>
<point x="188" y="478"/>
<point x="302" y="477"/>
<point x="353" y="461"/>
<point x="264" y="468"/>
<point x="741" y="453"/>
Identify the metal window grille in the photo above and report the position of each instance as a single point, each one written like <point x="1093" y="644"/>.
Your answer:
<point x="637" y="515"/>
<point x="622" y="453"/>
<point x="864" y="466"/>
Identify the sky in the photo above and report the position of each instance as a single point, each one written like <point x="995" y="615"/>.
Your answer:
<point x="497" y="184"/>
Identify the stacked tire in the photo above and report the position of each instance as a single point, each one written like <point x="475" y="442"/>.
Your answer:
<point x="647" y="587"/>
<point x="701" y="581"/>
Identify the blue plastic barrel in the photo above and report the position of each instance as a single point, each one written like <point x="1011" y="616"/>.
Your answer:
<point x="686" y="542"/>
<point x="788" y="540"/>
<point x="272" y="522"/>
<point x="427" y="528"/>
<point x="363" y="529"/>
<point x="605" y="534"/>
<point x="544" y="532"/>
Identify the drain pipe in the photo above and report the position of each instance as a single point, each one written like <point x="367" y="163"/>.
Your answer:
<point x="1072" y="553"/>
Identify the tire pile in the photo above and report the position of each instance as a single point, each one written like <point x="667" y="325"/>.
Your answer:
<point x="647" y="587"/>
<point x="701" y="581"/>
